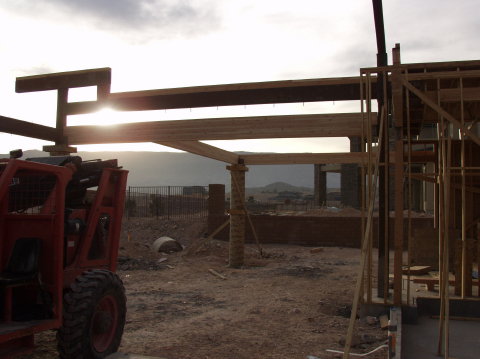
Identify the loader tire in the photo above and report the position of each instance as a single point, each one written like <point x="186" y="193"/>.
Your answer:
<point x="93" y="316"/>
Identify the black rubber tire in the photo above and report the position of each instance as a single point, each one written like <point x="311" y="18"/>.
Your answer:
<point x="79" y="335"/>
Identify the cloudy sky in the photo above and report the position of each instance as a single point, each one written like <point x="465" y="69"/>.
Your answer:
<point x="172" y="43"/>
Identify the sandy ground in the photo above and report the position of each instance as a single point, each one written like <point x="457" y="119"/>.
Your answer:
<point x="290" y="304"/>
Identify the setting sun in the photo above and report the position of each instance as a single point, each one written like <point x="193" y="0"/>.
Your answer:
<point x="106" y="117"/>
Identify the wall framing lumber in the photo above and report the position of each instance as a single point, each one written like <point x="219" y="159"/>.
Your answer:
<point x="291" y="126"/>
<point x="473" y="136"/>
<point x="27" y="129"/>
<point x="430" y="66"/>
<point x="444" y="75"/>
<point x="454" y="95"/>
<point x="203" y="149"/>
<point x="59" y="80"/>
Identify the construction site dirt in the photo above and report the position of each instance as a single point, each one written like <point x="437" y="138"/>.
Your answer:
<point x="293" y="302"/>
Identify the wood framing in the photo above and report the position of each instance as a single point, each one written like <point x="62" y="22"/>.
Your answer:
<point x="64" y="80"/>
<point x="255" y="93"/>
<point x="454" y="94"/>
<point x="304" y="158"/>
<point x="473" y="136"/>
<point x="28" y="129"/>
<point x="424" y="106"/>
<point x="291" y="126"/>
<point x="204" y="150"/>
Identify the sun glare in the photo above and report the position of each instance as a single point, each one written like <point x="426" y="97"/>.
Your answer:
<point x="105" y="117"/>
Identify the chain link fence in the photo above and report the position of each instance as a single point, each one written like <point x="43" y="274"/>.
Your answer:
<point x="167" y="202"/>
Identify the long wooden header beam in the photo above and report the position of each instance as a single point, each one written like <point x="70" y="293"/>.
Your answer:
<point x="64" y="80"/>
<point x="230" y="128"/>
<point x="304" y="158"/>
<point x="255" y="93"/>
<point x="28" y="129"/>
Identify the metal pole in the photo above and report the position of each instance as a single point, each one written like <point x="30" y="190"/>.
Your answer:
<point x="383" y="184"/>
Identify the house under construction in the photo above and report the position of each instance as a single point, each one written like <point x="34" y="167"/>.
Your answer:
<point x="415" y="146"/>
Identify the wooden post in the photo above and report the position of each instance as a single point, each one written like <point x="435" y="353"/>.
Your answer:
<point x="364" y="250"/>
<point x="61" y="147"/>
<point x="237" y="215"/>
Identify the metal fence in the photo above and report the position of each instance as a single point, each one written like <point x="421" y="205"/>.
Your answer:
<point x="167" y="202"/>
<point x="293" y="206"/>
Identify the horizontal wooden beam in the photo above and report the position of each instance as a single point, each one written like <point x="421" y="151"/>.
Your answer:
<point x="71" y="79"/>
<point x="444" y="75"/>
<point x="419" y="156"/>
<point x="332" y="167"/>
<point x="230" y="128"/>
<point x="255" y="93"/>
<point x="27" y="129"/>
<point x="453" y="95"/>
<point x="203" y="149"/>
<point x="430" y="66"/>
<point x="304" y="158"/>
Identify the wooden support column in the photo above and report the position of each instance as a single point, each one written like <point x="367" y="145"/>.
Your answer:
<point x="61" y="147"/>
<point x="397" y="96"/>
<point x="62" y="82"/>
<point x="237" y="215"/>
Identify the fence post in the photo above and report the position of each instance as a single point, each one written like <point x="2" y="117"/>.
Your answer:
<point x="168" y="203"/>
<point x="129" y="203"/>
<point x="156" y="202"/>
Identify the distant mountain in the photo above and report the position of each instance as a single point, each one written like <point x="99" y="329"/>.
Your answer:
<point x="185" y="169"/>
<point x="277" y="187"/>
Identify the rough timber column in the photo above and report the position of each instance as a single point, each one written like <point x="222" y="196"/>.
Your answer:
<point x="237" y="215"/>
<point x="61" y="147"/>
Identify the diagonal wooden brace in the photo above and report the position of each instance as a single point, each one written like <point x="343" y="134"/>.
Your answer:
<point x="422" y="96"/>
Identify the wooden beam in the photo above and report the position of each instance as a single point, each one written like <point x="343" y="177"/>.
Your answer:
<point x="64" y="80"/>
<point x="203" y="149"/>
<point x="230" y="128"/>
<point x="421" y="156"/>
<point x="444" y="75"/>
<point x="27" y="129"/>
<point x="473" y="136"/>
<point x="304" y="158"/>
<point x="255" y="93"/>
<point x="430" y="66"/>
<point x="453" y="95"/>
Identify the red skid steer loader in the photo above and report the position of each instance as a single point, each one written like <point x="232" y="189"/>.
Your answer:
<point x="60" y="220"/>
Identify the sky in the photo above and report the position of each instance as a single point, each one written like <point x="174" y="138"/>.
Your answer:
<point x="153" y="44"/>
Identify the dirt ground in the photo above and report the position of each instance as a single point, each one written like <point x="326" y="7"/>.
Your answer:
<point x="290" y="304"/>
